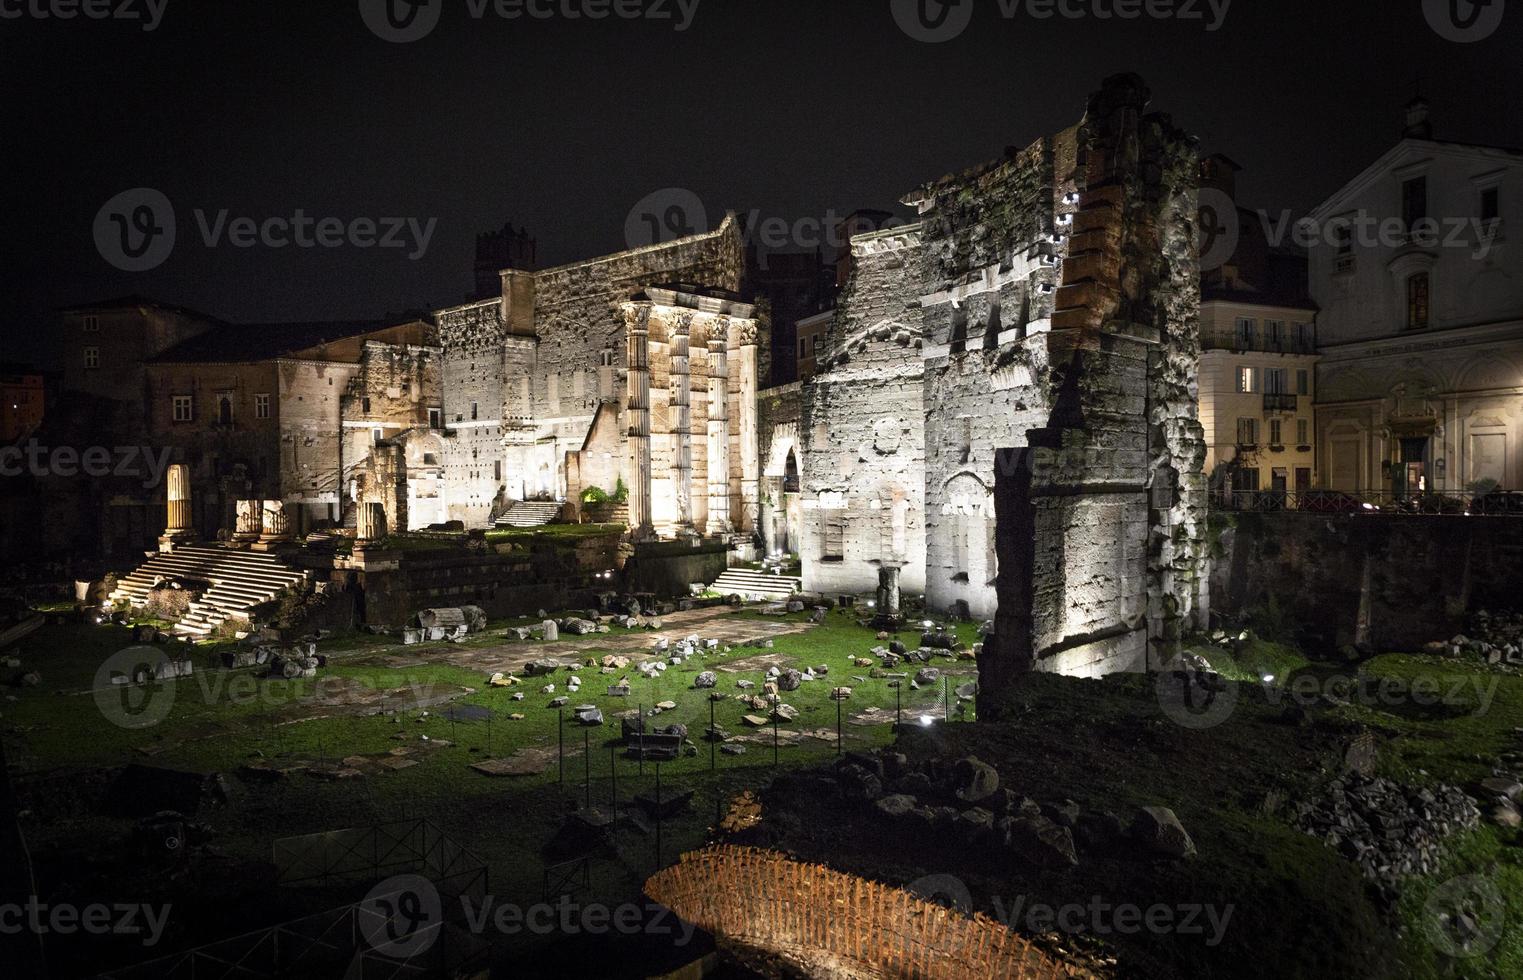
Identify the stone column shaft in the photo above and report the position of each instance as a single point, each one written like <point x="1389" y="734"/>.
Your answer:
<point x="750" y="451"/>
<point x="682" y="422"/>
<point x="641" y="517"/>
<point x="179" y="499"/>
<point x="719" y="433"/>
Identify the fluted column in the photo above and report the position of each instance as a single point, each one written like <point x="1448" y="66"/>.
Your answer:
<point x="719" y="429"/>
<point x="275" y="523"/>
<point x="370" y="521"/>
<point x="177" y="522"/>
<point x="641" y="517"/>
<point x="750" y="451"/>
<point x="682" y="420"/>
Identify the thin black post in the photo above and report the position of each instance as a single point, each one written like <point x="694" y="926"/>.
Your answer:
<point x="489" y="733"/>
<point x="897" y="719"/>
<point x="774" y="731"/>
<point x="613" y="778"/>
<point x="454" y="736"/>
<point x="946" y="698"/>
<point x="560" y="730"/>
<point x="641" y="736"/>
<point x="838" y="726"/>
<point x="587" y="767"/>
<point x="713" y="740"/>
<point x="659" y="815"/>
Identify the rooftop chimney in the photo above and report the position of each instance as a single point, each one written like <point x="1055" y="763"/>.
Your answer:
<point x="1418" y="126"/>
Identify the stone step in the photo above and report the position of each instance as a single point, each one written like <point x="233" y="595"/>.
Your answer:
<point x="237" y="581"/>
<point x="745" y="582"/>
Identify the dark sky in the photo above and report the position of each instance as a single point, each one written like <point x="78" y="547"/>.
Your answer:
<point x="790" y="107"/>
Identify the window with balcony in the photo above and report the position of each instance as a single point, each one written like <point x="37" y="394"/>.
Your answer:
<point x="1306" y="340"/>
<point x="1246" y="333"/>
<point x="1274" y="334"/>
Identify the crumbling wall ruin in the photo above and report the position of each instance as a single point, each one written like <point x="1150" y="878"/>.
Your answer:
<point x="1101" y="514"/>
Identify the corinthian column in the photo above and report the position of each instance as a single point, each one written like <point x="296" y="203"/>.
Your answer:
<point x="719" y="429"/>
<point x="249" y="521"/>
<point x="750" y="451"/>
<point x="641" y="518"/>
<point x="682" y="420"/>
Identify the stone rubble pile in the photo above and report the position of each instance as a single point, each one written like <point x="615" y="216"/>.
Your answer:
<point x="1391" y="831"/>
<point x="1495" y="638"/>
<point x="966" y="798"/>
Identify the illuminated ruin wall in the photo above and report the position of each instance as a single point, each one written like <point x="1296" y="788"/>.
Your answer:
<point x="1101" y="510"/>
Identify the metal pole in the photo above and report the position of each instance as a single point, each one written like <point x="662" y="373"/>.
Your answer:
<point x="587" y="766"/>
<point x="613" y="778"/>
<point x="659" y="815"/>
<point x="774" y="730"/>
<point x="560" y="730"/>
<point x="897" y="719"/>
<point x="713" y="740"/>
<point x="641" y="736"/>
<point x="838" y="726"/>
<point x="946" y="698"/>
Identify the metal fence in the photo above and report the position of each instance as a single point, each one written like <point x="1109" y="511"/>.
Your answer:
<point x="1368" y="503"/>
<point x="372" y="853"/>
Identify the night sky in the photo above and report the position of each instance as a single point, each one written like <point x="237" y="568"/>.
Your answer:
<point x="788" y="107"/>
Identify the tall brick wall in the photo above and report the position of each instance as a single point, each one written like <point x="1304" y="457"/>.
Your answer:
<point x="1101" y="514"/>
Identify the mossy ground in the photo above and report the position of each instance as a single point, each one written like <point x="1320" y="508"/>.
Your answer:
<point x="1299" y="908"/>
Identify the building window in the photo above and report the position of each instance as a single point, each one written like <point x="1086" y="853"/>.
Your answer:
<point x="1414" y="202"/>
<point x="1276" y="381"/>
<point x="1491" y="204"/>
<point x="1274" y="331"/>
<point x="224" y="410"/>
<point x="436" y="418"/>
<point x="1245" y="333"/>
<point x="1303" y="432"/>
<point x="474" y="411"/>
<point x="1276" y="430"/>
<point x="1247" y="432"/>
<point x="92" y="358"/>
<point x="1303" y="382"/>
<point x="1245" y="381"/>
<point x="183" y="407"/>
<point x="92" y="324"/>
<point x="1305" y="340"/>
<point x="1418" y="295"/>
<point x="802" y="341"/>
<point x="607" y="359"/>
<point x="365" y="405"/>
<point x="261" y="406"/>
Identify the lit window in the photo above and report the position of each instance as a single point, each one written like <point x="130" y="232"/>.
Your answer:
<point x="183" y="408"/>
<point x="92" y="358"/>
<point x="1246" y="381"/>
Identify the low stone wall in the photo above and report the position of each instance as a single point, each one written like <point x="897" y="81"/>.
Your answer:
<point x="1382" y="581"/>
<point x="666" y="568"/>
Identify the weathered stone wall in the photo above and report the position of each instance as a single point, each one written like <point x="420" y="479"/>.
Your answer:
<point x="779" y="414"/>
<point x="1101" y="514"/>
<point x="311" y="434"/>
<point x="473" y="342"/>
<point x="863" y="426"/>
<point x="1416" y="576"/>
<point x="395" y="388"/>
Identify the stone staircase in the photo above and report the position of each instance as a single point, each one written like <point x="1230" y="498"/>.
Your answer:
<point x="238" y="581"/>
<point x="756" y="586"/>
<point x="530" y="513"/>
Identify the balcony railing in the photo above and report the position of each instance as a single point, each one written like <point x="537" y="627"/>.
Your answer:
<point x="1276" y="402"/>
